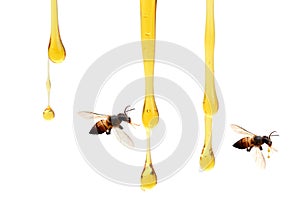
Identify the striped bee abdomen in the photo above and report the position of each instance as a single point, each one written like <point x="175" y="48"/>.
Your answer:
<point x="100" y="127"/>
<point x="244" y="143"/>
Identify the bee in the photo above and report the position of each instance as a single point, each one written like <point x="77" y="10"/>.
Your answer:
<point x="109" y="122"/>
<point x="256" y="141"/>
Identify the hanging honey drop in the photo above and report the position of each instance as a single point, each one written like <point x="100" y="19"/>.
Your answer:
<point x="56" y="50"/>
<point x="148" y="177"/>
<point x="207" y="158"/>
<point x="48" y="113"/>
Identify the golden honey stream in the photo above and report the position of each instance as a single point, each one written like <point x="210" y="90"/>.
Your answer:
<point x="56" y="53"/>
<point x="150" y="114"/>
<point x="210" y="101"/>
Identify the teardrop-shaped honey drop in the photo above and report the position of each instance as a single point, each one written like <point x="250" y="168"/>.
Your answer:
<point x="48" y="113"/>
<point x="56" y="49"/>
<point x="148" y="177"/>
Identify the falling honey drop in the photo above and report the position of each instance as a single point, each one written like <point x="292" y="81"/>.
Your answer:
<point x="148" y="177"/>
<point x="56" y="50"/>
<point x="48" y="114"/>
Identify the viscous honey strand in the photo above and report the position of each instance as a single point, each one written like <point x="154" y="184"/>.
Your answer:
<point x="150" y="115"/>
<point x="56" y="50"/>
<point x="210" y="101"/>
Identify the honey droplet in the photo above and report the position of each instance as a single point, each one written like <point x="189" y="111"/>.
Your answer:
<point x="269" y="150"/>
<point x="207" y="160"/>
<point x="148" y="177"/>
<point x="48" y="114"/>
<point x="56" y="50"/>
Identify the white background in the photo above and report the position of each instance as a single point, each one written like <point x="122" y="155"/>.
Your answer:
<point x="43" y="177"/>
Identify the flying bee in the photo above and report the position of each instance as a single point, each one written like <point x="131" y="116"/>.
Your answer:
<point x="256" y="141"/>
<point x="109" y="122"/>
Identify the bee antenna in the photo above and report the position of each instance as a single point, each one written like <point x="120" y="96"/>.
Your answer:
<point x="126" y="109"/>
<point x="271" y="134"/>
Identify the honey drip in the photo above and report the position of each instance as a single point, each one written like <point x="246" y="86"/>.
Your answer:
<point x="210" y="101"/>
<point x="150" y="114"/>
<point x="148" y="177"/>
<point x="56" y="50"/>
<point x="48" y="113"/>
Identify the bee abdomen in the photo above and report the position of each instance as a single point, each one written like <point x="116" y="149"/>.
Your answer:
<point x="100" y="127"/>
<point x="243" y="143"/>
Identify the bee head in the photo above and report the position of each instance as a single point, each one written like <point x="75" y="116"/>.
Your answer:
<point x="267" y="139"/>
<point x="124" y="117"/>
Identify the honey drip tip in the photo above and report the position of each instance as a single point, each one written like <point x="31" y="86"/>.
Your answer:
<point x="148" y="176"/>
<point x="48" y="113"/>
<point x="56" y="49"/>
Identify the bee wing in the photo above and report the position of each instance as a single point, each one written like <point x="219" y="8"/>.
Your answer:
<point x="273" y="149"/>
<point x="123" y="137"/>
<point x="92" y="115"/>
<point x="241" y="130"/>
<point x="259" y="158"/>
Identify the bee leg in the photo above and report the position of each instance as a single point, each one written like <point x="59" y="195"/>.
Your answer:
<point x="249" y="149"/>
<point x="260" y="148"/>
<point x="108" y="131"/>
<point x="120" y="126"/>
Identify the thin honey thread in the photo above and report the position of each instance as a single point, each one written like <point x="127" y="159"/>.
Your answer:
<point x="48" y="82"/>
<point x="56" y="54"/>
<point x="48" y="113"/>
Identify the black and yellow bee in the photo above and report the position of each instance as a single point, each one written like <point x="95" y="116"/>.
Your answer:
<point x="252" y="141"/>
<point x="109" y="122"/>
